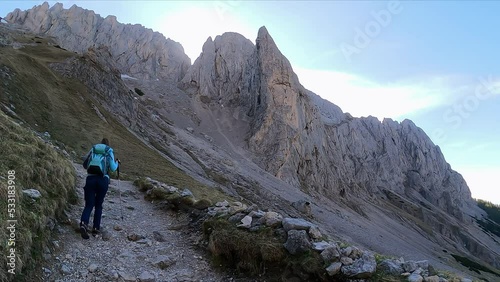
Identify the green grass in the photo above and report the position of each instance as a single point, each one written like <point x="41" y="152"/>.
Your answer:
<point x="491" y="209"/>
<point x="492" y="224"/>
<point x="36" y="166"/>
<point x="473" y="266"/>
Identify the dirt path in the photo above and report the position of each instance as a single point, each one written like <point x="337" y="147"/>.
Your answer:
<point x="160" y="249"/>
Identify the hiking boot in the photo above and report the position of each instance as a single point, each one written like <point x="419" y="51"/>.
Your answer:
<point x="96" y="232"/>
<point x="84" y="230"/>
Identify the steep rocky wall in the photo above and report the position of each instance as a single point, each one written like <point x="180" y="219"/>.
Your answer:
<point x="138" y="51"/>
<point x="309" y="142"/>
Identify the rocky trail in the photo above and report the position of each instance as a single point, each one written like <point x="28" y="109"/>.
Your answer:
<point x="150" y="244"/>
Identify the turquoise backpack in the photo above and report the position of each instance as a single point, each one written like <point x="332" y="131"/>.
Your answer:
<point x="98" y="160"/>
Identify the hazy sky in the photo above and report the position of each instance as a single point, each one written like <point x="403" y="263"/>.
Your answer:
<point x="433" y="62"/>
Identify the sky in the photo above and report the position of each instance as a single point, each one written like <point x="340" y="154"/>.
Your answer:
<point x="433" y="62"/>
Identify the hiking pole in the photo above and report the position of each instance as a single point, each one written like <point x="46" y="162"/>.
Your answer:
<point x="119" y="189"/>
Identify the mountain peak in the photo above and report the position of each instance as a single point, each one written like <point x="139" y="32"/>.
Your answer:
<point x="138" y="51"/>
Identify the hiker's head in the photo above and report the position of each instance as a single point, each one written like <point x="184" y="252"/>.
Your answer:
<point x="105" y="141"/>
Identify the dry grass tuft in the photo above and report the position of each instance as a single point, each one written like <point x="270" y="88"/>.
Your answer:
<point x="248" y="252"/>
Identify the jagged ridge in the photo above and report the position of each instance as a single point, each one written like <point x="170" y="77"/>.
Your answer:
<point x="138" y="51"/>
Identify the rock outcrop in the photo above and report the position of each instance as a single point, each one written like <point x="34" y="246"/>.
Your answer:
<point x="138" y="51"/>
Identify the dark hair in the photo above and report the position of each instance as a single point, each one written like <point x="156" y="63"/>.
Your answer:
<point x="105" y="141"/>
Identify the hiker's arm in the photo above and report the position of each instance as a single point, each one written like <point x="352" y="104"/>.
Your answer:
<point x="87" y="159"/>
<point x="113" y="165"/>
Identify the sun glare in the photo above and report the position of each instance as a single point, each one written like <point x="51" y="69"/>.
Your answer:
<point x="207" y="21"/>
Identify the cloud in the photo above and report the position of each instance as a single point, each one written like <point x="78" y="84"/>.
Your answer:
<point x="363" y="97"/>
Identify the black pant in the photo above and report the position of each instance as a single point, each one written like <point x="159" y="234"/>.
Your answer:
<point x="95" y="189"/>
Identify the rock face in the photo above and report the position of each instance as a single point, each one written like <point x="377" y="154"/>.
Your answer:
<point x="310" y="143"/>
<point x="138" y="51"/>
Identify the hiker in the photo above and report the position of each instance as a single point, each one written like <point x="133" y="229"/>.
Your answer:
<point x="99" y="161"/>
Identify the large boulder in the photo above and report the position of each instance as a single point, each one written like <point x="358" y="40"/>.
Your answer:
<point x="297" y="242"/>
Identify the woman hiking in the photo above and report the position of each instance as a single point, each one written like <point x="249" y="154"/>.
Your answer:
<point x="98" y="163"/>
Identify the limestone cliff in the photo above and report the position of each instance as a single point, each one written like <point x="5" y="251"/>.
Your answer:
<point x="138" y="51"/>
<point x="309" y="142"/>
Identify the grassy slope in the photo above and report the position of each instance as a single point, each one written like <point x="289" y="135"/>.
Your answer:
<point x="37" y="166"/>
<point x="63" y="107"/>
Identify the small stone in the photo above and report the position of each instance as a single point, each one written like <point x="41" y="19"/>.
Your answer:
<point x="434" y="278"/>
<point x="257" y="214"/>
<point x="126" y="277"/>
<point x="415" y="278"/>
<point x="346" y="260"/>
<point x="355" y="253"/>
<point x="314" y="232"/>
<point x="135" y="237"/>
<point x="146" y="277"/>
<point x="186" y="193"/>
<point x="65" y="269"/>
<point x="273" y="219"/>
<point x="163" y="262"/>
<point x="296" y="224"/>
<point x="117" y="228"/>
<point x="330" y="254"/>
<point x="392" y="267"/>
<point x="236" y="218"/>
<point x="32" y="193"/>
<point x="237" y="207"/>
<point x="144" y="241"/>
<point x="246" y="222"/>
<point x="222" y="204"/>
<point x="334" y="268"/>
<point x="93" y="267"/>
<point x="158" y="236"/>
<point x="410" y="266"/>
<point x="347" y="251"/>
<point x="105" y="235"/>
<point x="424" y="264"/>
<point x="320" y="246"/>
